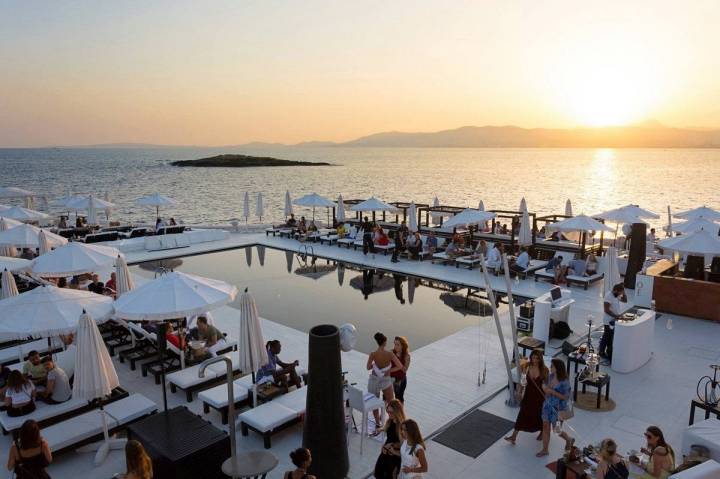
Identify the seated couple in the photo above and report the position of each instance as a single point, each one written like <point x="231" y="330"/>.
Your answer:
<point x="205" y="331"/>
<point x="586" y="267"/>
<point x="276" y="371"/>
<point x="20" y="391"/>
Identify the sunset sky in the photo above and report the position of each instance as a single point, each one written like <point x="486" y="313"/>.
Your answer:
<point x="228" y="72"/>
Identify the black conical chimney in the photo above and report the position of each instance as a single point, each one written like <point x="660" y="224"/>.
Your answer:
<point x="636" y="259"/>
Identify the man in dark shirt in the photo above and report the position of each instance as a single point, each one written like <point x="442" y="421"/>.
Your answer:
<point x="368" y="244"/>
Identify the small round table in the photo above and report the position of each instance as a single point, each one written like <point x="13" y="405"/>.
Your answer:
<point x="250" y="465"/>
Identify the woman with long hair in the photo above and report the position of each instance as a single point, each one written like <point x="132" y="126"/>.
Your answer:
<point x="139" y="465"/>
<point x="19" y="395"/>
<point x="302" y="459"/>
<point x="529" y="418"/>
<point x="610" y="464"/>
<point x="29" y="453"/>
<point x="387" y="465"/>
<point x="557" y="394"/>
<point x="662" y="456"/>
<point x="401" y="349"/>
<point x="379" y="364"/>
<point x="412" y="452"/>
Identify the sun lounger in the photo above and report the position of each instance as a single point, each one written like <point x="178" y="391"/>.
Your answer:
<point x="88" y="427"/>
<point x="469" y="261"/>
<point x="274" y="416"/>
<point x="217" y="397"/>
<point x="329" y="238"/>
<point x="541" y="273"/>
<point x="145" y="348"/>
<point x="585" y="281"/>
<point x="350" y="238"/>
<point x="188" y="380"/>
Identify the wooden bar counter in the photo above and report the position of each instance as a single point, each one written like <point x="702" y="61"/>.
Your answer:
<point x="683" y="296"/>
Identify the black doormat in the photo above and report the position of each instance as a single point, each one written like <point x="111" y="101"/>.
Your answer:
<point x="474" y="433"/>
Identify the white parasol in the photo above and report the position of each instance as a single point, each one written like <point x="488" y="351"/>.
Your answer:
<point x="697" y="224"/>
<point x="24" y="214"/>
<point x="253" y="354"/>
<point x="699" y="243"/>
<point x="259" y="207"/>
<point x="123" y="279"/>
<point x="313" y="200"/>
<point x="28" y="236"/>
<point x="578" y="223"/>
<point x="157" y="200"/>
<point x="525" y="234"/>
<point x="74" y="258"/>
<point x="246" y="206"/>
<point x="14" y="192"/>
<point x="288" y="204"/>
<point x="6" y="224"/>
<point x="340" y="213"/>
<point x="568" y="208"/>
<point x="9" y="288"/>
<point x="469" y="216"/>
<point x="701" y="212"/>
<point x="13" y="264"/>
<point x="612" y="273"/>
<point x="373" y="204"/>
<point x="412" y="217"/>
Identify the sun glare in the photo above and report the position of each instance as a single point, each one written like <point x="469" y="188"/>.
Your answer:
<point x="607" y="98"/>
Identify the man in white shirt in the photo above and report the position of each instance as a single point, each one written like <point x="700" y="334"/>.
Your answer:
<point x="58" y="388"/>
<point x="651" y="236"/>
<point x="611" y="305"/>
<point x="522" y="262"/>
<point x="494" y="257"/>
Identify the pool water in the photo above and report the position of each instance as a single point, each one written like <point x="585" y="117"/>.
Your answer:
<point x="300" y="294"/>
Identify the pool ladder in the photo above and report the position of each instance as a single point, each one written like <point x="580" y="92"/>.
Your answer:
<point x="305" y="249"/>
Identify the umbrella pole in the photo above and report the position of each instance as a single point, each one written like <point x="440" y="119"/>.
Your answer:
<point x="161" y="330"/>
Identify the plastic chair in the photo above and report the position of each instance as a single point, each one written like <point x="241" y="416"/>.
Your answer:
<point x="359" y="402"/>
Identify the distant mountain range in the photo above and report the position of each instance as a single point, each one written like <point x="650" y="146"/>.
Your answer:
<point x="646" y="135"/>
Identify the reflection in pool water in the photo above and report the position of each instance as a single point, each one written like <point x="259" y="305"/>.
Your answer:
<point x="302" y="294"/>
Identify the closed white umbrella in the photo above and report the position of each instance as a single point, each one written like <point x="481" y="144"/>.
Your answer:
<point x="74" y="258"/>
<point x="253" y="354"/>
<point x="698" y="243"/>
<point x="612" y="273"/>
<point x="85" y="203"/>
<point x="436" y="216"/>
<point x="95" y="378"/>
<point x="697" y="224"/>
<point x="13" y="264"/>
<point x="28" y="202"/>
<point x="340" y="213"/>
<point x="412" y="217"/>
<point x="6" y="224"/>
<point x="123" y="279"/>
<point x="701" y="212"/>
<point x="525" y="234"/>
<point x="108" y="209"/>
<point x="173" y="295"/>
<point x="246" y="207"/>
<point x="28" y="236"/>
<point x="669" y="228"/>
<point x="9" y="287"/>
<point x="48" y="311"/>
<point x="288" y="205"/>
<point x="44" y="243"/>
<point x="261" y="254"/>
<point x="92" y="212"/>
<point x="259" y="207"/>
<point x="468" y="217"/>
<point x="157" y="200"/>
<point x="578" y="223"/>
<point x="481" y="206"/>
<point x="24" y="214"/>
<point x="568" y="208"/>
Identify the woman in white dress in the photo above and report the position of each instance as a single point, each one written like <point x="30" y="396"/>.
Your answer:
<point x="412" y="452"/>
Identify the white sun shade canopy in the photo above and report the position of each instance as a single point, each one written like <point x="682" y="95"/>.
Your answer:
<point x="314" y="200"/>
<point x="701" y="212"/>
<point x="74" y="258"/>
<point x="88" y="202"/>
<point x="48" y="311"/>
<point x="14" y="264"/>
<point x="469" y="216"/>
<point x="578" y="223"/>
<point x="23" y="214"/>
<point x="697" y="224"/>
<point x="699" y="243"/>
<point x="28" y="236"/>
<point x="174" y="295"/>
<point x="373" y="204"/>
<point x="15" y="192"/>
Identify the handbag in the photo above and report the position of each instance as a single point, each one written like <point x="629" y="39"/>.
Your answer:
<point x="568" y="412"/>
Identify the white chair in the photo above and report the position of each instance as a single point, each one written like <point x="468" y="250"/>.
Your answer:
<point x="365" y="403"/>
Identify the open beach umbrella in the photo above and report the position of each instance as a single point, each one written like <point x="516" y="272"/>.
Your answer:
<point x="123" y="279"/>
<point x="48" y="311"/>
<point x="698" y="224"/>
<point x="578" y="223"/>
<point x="340" y="212"/>
<point x="525" y="234"/>
<point x="619" y="215"/>
<point x="246" y="207"/>
<point x="157" y="200"/>
<point x="14" y="192"/>
<point x="412" y="217"/>
<point x="699" y="243"/>
<point x="248" y="255"/>
<point x="6" y="224"/>
<point x="568" y="208"/>
<point x="9" y="222"/>
<point x="469" y="216"/>
<point x="28" y="236"/>
<point x="261" y="254"/>
<point x="74" y="258"/>
<point x="9" y="287"/>
<point x="259" y="208"/>
<point x="13" y="264"/>
<point x="373" y="204"/>
<point x="86" y="203"/>
<point x="251" y="343"/>
<point x="701" y="212"/>
<point x="44" y="246"/>
<point x="289" y="259"/>
<point x="313" y="200"/>
<point x="95" y="378"/>
<point x="612" y="270"/>
<point x="288" y="204"/>
<point x="24" y="214"/>
<point x="173" y="295"/>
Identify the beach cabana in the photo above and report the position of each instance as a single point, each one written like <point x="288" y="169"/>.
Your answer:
<point x="74" y="258"/>
<point x="157" y="200"/>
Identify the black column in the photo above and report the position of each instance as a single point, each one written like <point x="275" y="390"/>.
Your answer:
<point x="324" y="429"/>
<point x="636" y="259"/>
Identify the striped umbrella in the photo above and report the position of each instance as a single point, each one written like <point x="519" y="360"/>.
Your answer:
<point x="253" y="354"/>
<point x="9" y="288"/>
<point x="123" y="279"/>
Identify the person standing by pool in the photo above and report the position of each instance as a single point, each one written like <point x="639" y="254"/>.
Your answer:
<point x="529" y="418"/>
<point x="387" y="465"/>
<point x="401" y="349"/>
<point x="379" y="363"/>
<point x="557" y="394"/>
<point x="368" y="244"/>
<point x="413" y="462"/>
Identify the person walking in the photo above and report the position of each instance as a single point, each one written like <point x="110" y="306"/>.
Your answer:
<point x="529" y="418"/>
<point x="557" y="394"/>
<point x="401" y="349"/>
<point x="29" y="453"/>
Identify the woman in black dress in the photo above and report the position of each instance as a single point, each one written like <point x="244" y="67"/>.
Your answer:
<point x="388" y="462"/>
<point x="30" y="453"/>
<point x="529" y="418"/>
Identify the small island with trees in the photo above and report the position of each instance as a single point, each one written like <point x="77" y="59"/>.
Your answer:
<point x="244" y="161"/>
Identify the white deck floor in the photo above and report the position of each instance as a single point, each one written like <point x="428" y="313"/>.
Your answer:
<point x="442" y="383"/>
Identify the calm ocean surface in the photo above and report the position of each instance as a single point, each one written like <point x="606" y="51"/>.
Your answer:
<point x="593" y="179"/>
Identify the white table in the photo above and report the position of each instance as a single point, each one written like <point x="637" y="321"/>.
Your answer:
<point x="544" y="311"/>
<point x="633" y="342"/>
<point x="705" y="433"/>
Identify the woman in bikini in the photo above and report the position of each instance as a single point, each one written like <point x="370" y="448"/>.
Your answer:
<point x="379" y="363"/>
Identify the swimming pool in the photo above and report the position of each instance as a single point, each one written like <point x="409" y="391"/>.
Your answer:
<point x="297" y="293"/>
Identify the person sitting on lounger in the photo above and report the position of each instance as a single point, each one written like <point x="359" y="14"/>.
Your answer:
<point x="414" y="244"/>
<point x="452" y="250"/>
<point x="19" y="395"/>
<point x="277" y="371"/>
<point x="458" y="239"/>
<point x="34" y="370"/>
<point x="481" y="249"/>
<point x="381" y="238"/>
<point x="58" y="389"/>
<point x="291" y="222"/>
<point x="302" y="225"/>
<point x="63" y="222"/>
<point x="214" y="339"/>
<point x="591" y="265"/>
<point x="522" y="262"/>
<point x="494" y="257"/>
<point x="173" y="337"/>
<point x="340" y="230"/>
<point x="172" y="222"/>
<point x="432" y="242"/>
<point x="312" y="227"/>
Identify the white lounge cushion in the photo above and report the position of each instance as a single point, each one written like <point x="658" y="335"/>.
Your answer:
<point x="188" y="377"/>
<point x="268" y="417"/>
<point x="75" y="430"/>
<point x="217" y="397"/>
<point x="294" y="400"/>
<point x="43" y="412"/>
<point x="130" y="408"/>
<point x="584" y="279"/>
<point x="545" y="274"/>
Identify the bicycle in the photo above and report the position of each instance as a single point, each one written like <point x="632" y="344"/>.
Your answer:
<point x="708" y="388"/>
